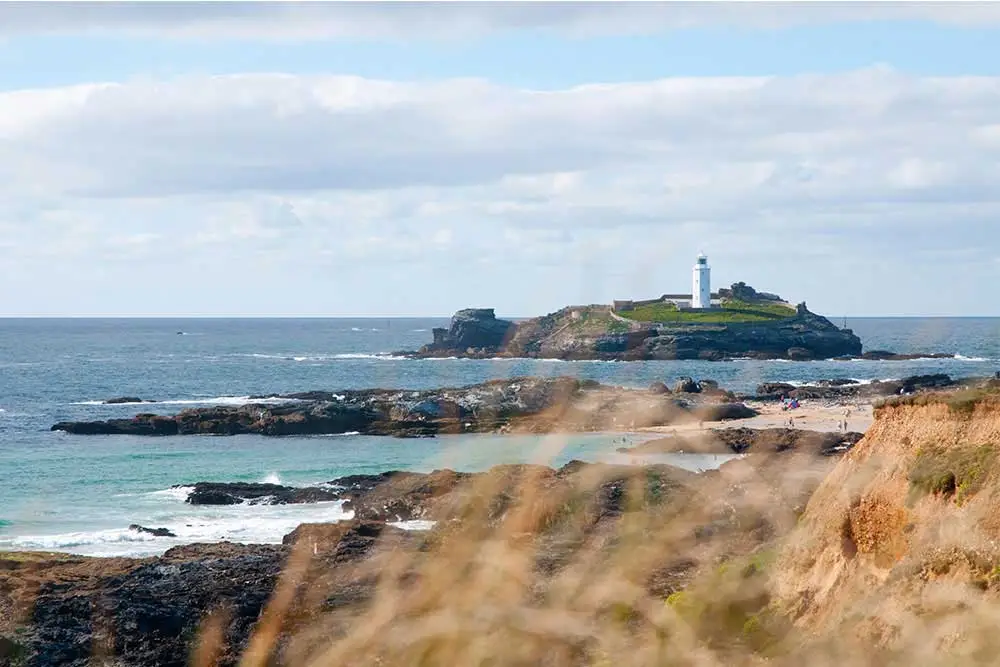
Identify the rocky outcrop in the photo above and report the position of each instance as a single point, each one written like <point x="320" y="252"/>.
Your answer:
<point x="155" y="532"/>
<point x="235" y="493"/>
<point x="527" y="404"/>
<point x="124" y="400"/>
<point x="594" y="332"/>
<point x="147" y="612"/>
<point x="846" y="388"/>
<point x="885" y="355"/>
<point x="473" y="330"/>
<point x="753" y="441"/>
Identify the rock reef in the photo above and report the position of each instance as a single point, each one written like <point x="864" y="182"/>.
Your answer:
<point x="531" y="405"/>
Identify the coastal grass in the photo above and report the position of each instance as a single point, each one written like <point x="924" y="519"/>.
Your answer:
<point x="957" y="471"/>
<point x="732" y="311"/>
<point x="961" y="402"/>
<point x="483" y="591"/>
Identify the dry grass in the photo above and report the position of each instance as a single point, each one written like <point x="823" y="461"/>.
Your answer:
<point x="607" y="568"/>
<point x="532" y="572"/>
<point x="962" y="401"/>
<point x="474" y="594"/>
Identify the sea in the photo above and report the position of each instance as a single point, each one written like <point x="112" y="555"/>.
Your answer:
<point x="79" y="494"/>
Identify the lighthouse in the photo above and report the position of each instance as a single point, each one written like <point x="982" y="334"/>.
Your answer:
<point x="701" y="291"/>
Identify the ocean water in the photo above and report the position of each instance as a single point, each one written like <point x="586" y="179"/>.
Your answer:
<point x="80" y="493"/>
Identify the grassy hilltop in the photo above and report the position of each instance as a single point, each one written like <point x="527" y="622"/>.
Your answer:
<point x="731" y="311"/>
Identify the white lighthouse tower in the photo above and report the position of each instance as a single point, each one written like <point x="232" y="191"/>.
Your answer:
<point x="701" y="292"/>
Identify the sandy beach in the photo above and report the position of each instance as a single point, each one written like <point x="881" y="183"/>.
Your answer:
<point x="813" y="415"/>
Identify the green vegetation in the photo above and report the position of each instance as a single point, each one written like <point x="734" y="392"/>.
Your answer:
<point x="961" y="402"/>
<point x="592" y="320"/>
<point x="732" y="603"/>
<point x="954" y="471"/>
<point x="731" y="311"/>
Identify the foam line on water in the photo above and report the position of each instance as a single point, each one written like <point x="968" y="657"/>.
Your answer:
<point x="246" y="524"/>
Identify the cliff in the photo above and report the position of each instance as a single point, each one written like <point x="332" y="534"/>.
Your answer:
<point x="597" y="332"/>
<point x="898" y="550"/>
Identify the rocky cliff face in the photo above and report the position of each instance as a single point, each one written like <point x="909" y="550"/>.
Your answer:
<point x="594" y="332"/>
<point x="472" y="329"/>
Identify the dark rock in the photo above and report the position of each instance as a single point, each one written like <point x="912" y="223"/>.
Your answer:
<point x="686" y="385"/>
<point x="837" y="382"/>
<point x="659" y="388"/>
<point x="402" y="496"/>
<point x="884" y="355"/>
<point x="234" y="493"/>
<point x="916" y="383"/>
<point x="799" y="354"/>
<point x="144" y="424"/>
<point x="475" y="328"/>
<point x="401" y="413"/>
<point x="125" y="399"/>
<point x="774" y="388"/>
<point x="156" y="532"/>
<point x="754" y="441"/>
<point x="846" y="388"/>
<point x="724" y="411"/>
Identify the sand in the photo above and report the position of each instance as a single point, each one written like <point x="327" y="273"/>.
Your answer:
<point x="813" y="415"/>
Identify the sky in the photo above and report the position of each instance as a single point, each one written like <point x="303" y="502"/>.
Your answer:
<point x="408" y="159"/>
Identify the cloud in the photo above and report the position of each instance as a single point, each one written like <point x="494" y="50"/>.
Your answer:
<point x="278" y="179"/>
<point x="453" y="20"/>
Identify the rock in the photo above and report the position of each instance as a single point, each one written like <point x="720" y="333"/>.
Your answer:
<point x="686" y="385"/>
<point x="846" y="388"/>
<point x="884" y="355"/>
<point x="472" y="328"/>
<point x="478" y="408"/>
<point x="590" y="332"/>
<point x="837" y="382"/>
<point x="916" y="383"/>
<point x="156" y="532"/>
<point x="402" y="496"/>
<point x="143" y="424"/>
<point x="234" y="493"/>
<point x="125" y="399"/>
<point x="753" y="441"/>
<point x="659" y="388"/>
<point x="774" y="388"/>
<point x="724" y="411"/>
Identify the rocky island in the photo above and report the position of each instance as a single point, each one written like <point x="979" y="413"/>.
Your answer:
<point x="746" y="324"/>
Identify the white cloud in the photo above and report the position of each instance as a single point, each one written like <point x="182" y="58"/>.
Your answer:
<point x="454" y="19"/>
<point x="802" y="185"/>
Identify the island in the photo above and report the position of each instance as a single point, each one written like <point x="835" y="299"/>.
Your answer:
<point x="735" y="322"/>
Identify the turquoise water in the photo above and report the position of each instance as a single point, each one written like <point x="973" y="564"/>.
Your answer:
<point x="80" y="493"/>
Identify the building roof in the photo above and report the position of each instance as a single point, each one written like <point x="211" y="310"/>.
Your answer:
<point x="715" y="295"/>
